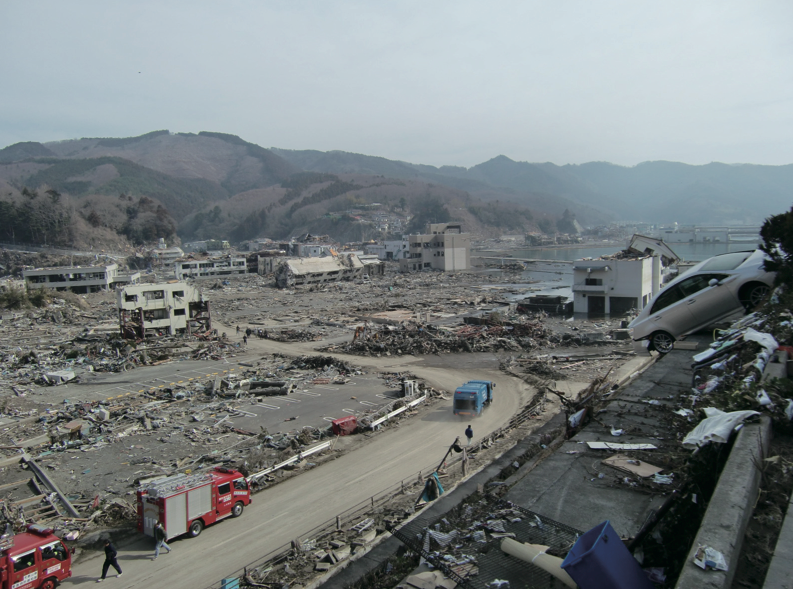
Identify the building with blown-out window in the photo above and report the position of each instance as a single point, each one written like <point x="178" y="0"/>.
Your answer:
<point x="166" y="308"/>
<point x="79" y="279"/>
<point x="445" y="247"/>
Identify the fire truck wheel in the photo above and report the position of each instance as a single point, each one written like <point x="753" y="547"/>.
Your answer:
<point x="236" y="511"/>
<point x="49" y="584"/>
<point x="195" y="528"/>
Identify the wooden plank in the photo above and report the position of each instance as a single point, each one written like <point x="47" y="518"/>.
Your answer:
<point x="26" y="501"/>
<point x="45" y="508"/>
<point x="12" y="485"/>
<point x="13" y="459"/>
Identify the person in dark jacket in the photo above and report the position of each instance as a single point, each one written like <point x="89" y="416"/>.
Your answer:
<point x="160" y="536"/>
<point x="110" y="559"/>
<point x="469" y="433"/>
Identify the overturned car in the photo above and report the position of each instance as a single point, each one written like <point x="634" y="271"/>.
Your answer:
<point x="708" y="292"/>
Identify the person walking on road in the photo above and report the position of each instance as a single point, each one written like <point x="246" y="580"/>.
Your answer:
<point x="469" y="433"/>
<point x="245" y="340"/>
<point x="160" y="537"/>
<point x="110" y="559"/>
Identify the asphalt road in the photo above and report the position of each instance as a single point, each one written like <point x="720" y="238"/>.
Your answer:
<point x="299" y="504"/>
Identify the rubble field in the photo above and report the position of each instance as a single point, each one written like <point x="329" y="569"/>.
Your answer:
<point x="75" y="463"/>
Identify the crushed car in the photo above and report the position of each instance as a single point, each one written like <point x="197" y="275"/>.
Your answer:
<point x="707" y="293"/>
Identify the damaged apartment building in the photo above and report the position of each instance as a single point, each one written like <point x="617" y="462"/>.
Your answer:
<point x="210" y="267"/>
<point x="79" y="279"/>
<point x="166" y="308"/>
<point x="444" y="247"/>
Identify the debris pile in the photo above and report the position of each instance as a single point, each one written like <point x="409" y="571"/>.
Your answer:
<point x="465" y="543"/>
<point x="414" y="338"/>
<point x="747" y="368"/>
<point x="307" y="558"/>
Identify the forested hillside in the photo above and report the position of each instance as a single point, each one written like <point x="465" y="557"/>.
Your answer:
<point x="216" y="185"/>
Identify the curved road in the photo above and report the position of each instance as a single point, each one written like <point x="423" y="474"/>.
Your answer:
<point x="299" y="504"/>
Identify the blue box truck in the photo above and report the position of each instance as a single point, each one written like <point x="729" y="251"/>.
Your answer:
<point x="472" y="397"/>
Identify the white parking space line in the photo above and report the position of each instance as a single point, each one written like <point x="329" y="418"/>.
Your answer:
<point x="328" y="418"/>
<point x="308" y="394"/>
<point x="285" y="400"/>
<point x="349" y="411"/>
<point x="368" y="403"/>
<point x="327" y="388"/>
<point x="272" y="407"/>
<point x="382" y="396"/>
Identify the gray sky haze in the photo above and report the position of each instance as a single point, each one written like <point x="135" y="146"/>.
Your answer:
<point x="441" y="83"/>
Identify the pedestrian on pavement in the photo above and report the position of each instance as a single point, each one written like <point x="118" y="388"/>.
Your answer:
<point x="238" y="330"/>
<point x="160" y="536"/>
<point x="469" y="433"/>
<point x="110" y="559"/>
<point x="245" y="339"/>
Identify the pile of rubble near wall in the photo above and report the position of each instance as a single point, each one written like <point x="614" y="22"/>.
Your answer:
<point x="413" y="338"/>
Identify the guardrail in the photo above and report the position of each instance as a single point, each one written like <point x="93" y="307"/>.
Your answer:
<point x="396" y="412"/>
<point x="296" y="458"/>
<point x="345" y="518"/>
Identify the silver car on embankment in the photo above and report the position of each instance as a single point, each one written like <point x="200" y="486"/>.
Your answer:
<point x="707" y="293"/>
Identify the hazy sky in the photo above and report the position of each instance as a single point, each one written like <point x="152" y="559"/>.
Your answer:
<point x="440" y="82"/>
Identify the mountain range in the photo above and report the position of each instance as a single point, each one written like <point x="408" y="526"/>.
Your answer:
<point x="219" y="185"/>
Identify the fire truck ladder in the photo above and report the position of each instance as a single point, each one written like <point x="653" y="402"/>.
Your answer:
<point x="177" y="482"/>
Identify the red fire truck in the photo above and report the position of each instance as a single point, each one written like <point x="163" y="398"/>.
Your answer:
<point x="185" y="504"/>
<point x="35" y="559"/>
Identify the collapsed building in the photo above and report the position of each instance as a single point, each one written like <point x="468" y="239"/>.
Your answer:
<point x="297" y="271"/>
<point x="171" y="307"/>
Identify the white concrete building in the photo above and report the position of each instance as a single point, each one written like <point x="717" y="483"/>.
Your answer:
<point x="390" y="250"/>
<point x="168" y="255"/>
<point x="445" y="247"/>
<point x="210" y="267"/>
<point x="165" y="308"/>
<point x="615" y="287"/>
<point x="314" y="250"/>
<point x="79" y="279"/>
<point x="624" y="282"/>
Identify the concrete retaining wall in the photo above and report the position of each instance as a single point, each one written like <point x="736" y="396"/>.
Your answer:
<point x="730" y="508"/>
